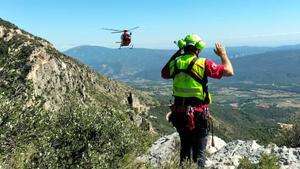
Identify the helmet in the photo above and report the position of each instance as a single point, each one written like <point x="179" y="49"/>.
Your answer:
<point x="191" y="39"/>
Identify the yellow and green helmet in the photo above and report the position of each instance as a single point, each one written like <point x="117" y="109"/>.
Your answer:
<point x="191" y="39"/>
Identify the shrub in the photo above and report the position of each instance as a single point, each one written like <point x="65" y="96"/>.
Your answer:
<point x="72" y="138"/>
<point x="245" y="163"/>
<point x="289" y="138"/>
<point x="266" y="161"/>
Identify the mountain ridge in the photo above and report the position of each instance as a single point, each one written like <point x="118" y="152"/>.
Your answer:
<point x="280" y="47"/>
<point x="44" y="59"/>
<point x="139" y="63"/>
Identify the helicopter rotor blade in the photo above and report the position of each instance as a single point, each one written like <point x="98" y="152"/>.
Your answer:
<point x="115" y="30"/>
<point x="133" y="28"/>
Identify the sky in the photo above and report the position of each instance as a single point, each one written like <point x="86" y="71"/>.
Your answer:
<point x="70" y="23"/>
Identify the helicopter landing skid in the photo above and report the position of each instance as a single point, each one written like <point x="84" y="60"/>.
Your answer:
<point x="128" y="47"/>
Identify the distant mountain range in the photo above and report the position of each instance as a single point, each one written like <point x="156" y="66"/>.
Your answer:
<point x="257" y="64"/>
<point x="279" y="67"/>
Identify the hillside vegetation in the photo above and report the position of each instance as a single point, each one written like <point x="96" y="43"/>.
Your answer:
<point x="57" y="113"/>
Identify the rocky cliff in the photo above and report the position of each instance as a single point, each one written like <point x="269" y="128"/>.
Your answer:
<point x="56" y="76"/>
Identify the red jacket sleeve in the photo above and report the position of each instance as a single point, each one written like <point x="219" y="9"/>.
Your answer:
<point x="213" y="70"/>
<point x="165" y="72"/>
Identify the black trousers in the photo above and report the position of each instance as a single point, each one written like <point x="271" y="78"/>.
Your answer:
<point x="192" y="144"/>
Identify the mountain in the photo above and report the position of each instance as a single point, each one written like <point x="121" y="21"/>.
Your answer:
<point x="146" y="64"/>
<point x="277" y="67"/>
<point x="123" y="63"/>
<point x="138" y="63"/>
<point x="56" y="112"/>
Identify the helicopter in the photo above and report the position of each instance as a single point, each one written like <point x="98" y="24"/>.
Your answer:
<point x="125" y="37"/>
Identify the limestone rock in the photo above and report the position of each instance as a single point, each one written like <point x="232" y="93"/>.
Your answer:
<point x="219" y="143"/>
<point x="222" y="156"/>
<point x="1" y="32"/>
<point x="229" y="155"/>
<point x="161" y="151"/>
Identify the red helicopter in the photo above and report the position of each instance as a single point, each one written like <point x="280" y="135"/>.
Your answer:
<point x="125" y="37"/>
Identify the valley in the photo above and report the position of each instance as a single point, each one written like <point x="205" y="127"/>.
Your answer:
<point x="248" y="105"/>
<point x="242" y="110"/>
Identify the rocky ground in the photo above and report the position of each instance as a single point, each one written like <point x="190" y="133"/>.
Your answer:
<point x="223" y="155"/>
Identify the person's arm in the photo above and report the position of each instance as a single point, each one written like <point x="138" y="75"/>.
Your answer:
<point x="165" y="72"/>
<point x="221" y="52"/>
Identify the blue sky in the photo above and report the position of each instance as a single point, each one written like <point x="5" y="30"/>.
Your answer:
<point x="67" y="23"/>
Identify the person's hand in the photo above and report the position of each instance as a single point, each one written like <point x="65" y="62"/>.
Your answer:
<point x="220" y="50"/>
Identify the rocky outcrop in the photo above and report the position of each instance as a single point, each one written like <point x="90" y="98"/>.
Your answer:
<point x="135" y="103"/>
<point x="223" y="155"/>
<point x="1" y="31"/>
<point x="218" y="144"/>
<point x="161" y="152"/>
<point x="229" y="155"/>
<point x="164" y="149"/>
